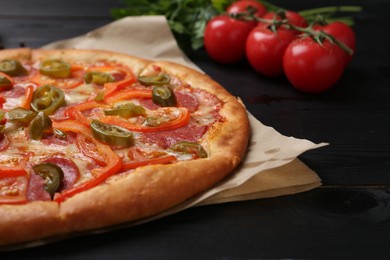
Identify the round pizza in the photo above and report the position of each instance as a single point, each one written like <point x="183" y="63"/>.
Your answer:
<point x="90" y="139"/>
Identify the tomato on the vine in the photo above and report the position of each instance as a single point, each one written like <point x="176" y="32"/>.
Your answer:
<point x="243" y="5"/>
<point x="341" y="32"/>
<point x="313" y="67"/>
<point x="225" y="38"/>
<point x="293" y="17"/>
<point x="265" y="49"/>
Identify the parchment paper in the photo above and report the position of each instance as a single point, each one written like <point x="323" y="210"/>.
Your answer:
<point x="270" y="168"/>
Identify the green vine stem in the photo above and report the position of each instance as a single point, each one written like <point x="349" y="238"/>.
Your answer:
<point x="318" y="36"/>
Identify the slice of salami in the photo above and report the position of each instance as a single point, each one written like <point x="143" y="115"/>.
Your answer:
<point x="189" y="133"/>
<point x="36" y="188"/>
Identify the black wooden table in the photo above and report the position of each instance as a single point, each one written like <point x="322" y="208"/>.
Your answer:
<point x="348" y="217"/>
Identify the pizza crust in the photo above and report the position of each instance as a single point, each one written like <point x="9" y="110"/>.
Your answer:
<point x="147" y="190"/>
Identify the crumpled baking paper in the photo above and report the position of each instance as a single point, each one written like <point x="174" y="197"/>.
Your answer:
<point x="270" y="168"/>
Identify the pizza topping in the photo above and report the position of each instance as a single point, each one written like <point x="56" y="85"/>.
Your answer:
<point x="189" y="148"/>
<point x="158" y="160"/>
<point x="12" y="68"/>
<point x="55" y="68"/>
<point x="112" y="135"/>
<point x="126" y="110"/>
<point x="6" y="82"/>
<point x="160" y="79"/>
<point x="52" y="175"/>
<point x="38" y="126"/>
<point x="70" y="171"/>
<point x="166" y="119"/>
<point x="187" y="100"/>
<point x="97" y="77"/>
<point x="21" y="116"/>
<point x="60" y="134"/>
<point x="28" y="96"/>
<point x="13" y="189"/>
<point x="163" y="96"/>
<point x="189" y="133"/>
<point x="47" y="99"/>
<point x="88" y="148"/>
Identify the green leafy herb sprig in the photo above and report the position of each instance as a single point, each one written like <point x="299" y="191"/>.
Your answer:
<point x="188" y="18"/>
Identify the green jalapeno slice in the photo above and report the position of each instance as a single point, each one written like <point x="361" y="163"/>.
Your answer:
<point x="189" y="148"/>
<point x="55" y="68"/>
<point x="5" y="83"/>
<point x="59" y="134"/>
<point x="47" y="99"/>
<point x="126" y="110"/>
<point x="21" y="116"/>
<point x="163" y="96"/>
<point x="38" y="126"/>
<point x="160" y="79"/>
<point x="112" y="135"/>
<point x="12" y="68"/>
<point x="99" y="78"/>
<point x="52" y="175"/>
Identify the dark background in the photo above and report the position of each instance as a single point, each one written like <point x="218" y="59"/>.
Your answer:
<point x="346" y="218"/>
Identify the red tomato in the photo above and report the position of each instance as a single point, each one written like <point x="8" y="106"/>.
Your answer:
<point x="225" y="38"/>
<point x="311" y="67"/>
<point x="265" y="49"/>
<point x="242" y="6"/>
<point x="293" y="17"/>
<point x="343" y="33"/>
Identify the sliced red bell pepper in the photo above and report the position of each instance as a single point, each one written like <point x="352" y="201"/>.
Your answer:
<point x="89" y="149"/>
<point x="75" y="112"/>
<point x="128" y="94"/>
<point x="111" y="87"/>
<point x="178" y="122"/>
<point x="113" y="161"/>
<point x="28" y="96"/>
<point x="7" y="172"/>
<point x="13" y="185"/>
<point x="161" y="160"/>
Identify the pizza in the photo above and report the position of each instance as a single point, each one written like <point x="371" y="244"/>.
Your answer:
<point x="90" y="139"/>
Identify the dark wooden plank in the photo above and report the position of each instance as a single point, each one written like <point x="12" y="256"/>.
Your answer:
<point x="92" y="9"/>
<point x="34" y="32"/>
<point x="324" y="223"/>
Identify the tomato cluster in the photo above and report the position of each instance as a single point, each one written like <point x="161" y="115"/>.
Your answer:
<point x="274" y="45"/>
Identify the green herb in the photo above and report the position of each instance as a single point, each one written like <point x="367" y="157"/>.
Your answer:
<point x="188" y="18"/>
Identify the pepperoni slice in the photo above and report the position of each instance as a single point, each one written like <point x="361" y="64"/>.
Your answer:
<point x="15" y="92"/>
<point x="52" y="139"/>
<point x="184" y="99"/>
<point x="189" y="133"/>
<point x="36" y="188"/>
<point x="187" y="100"/>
